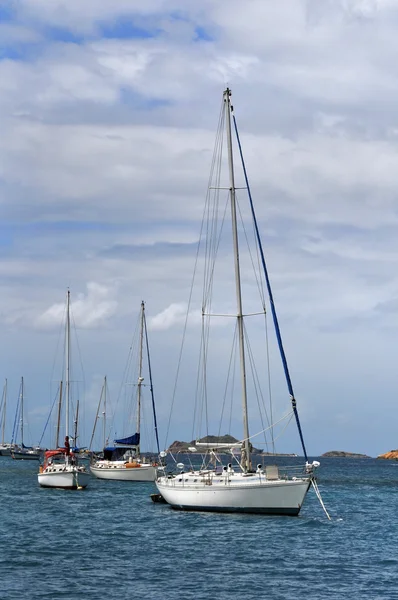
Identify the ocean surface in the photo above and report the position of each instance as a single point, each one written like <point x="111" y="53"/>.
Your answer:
<point x="110" y="541"/>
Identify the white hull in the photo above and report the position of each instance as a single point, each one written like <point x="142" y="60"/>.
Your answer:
<point x="118" y="471"/>
<point x="66" y="477"/>
<point x="236" y="493"/>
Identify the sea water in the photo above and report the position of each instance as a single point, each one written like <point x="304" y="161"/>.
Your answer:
<point x="110" y="541"/>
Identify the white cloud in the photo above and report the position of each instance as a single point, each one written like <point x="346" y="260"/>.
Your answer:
<point x="89" y="310"/>
<point x="83" y="18"/>
<point x="170" y="316"/>
<point x="105" y="152"/>
<point x="16" y="34"/>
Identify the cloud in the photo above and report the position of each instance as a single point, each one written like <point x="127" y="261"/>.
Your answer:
<point x="17" y="34"/>
<point x="83" y="18"/>
<point x="170" y="316"/>
<point x="88" y="311"/>
<point x="108" y="114"/>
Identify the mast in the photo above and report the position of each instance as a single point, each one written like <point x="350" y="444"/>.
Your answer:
<point x="140" y="378"/>
<point x="104" y="412"/>
<point x="67" y="363"/>
<point x="17" y="416"/>
<point x="22" y="412"/>
<point x="245" y="462"/>
<point x="59" y="415"/>
<point x="4" y="411"/>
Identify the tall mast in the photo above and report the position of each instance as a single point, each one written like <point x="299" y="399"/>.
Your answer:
<point x="104" y="412"/>
<point x="22" y="412"/>
<point x="246" y="454"/>
<point x="140" y="378"/>
<point x="67" y="363"/>
<point x="4" y="411"/>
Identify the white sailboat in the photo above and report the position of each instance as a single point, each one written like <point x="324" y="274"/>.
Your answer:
<point x="237" y="487"/>
<point x="123" y="461"/>
<point x="61" y="468"/>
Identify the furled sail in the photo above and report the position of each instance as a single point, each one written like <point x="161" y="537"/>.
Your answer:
<point x="132" y="440"/>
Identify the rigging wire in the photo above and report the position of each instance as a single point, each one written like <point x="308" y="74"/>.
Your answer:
<point x="233" y="380"/>
<point x="17" y="417"/>
<point x="256" y="271"/>
<point x="75" y="392"/>
<point x="212" y="241"/>
<point x="207" y="303"/>
<point x="289" y="414"/>
<point x="231" y="358"/>
<point x="256" y="384"/>
<point x="269" y="381"/>
<point x="49" y="416"/>
<point x="190" y="298"/>
<point x="103" y="392"/>
<point x="271" y="299"/>
<point x="285" y="427"/>
<point x="151" y="384"/>
<point x="260" y="287"/>
<point x="125" y="375"/>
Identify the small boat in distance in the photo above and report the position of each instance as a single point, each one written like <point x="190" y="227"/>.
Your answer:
<point x="19" y="451"/>
<point x="123" y="461"/>
<point x="61" y="468"/>
<point x="5" y="447"/>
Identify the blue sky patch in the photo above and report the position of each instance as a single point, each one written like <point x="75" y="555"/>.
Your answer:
<point x="71" y="226"/>
<point x="202" y="35"/>
<point x="7" y="11"/>
<point x="139" y="101"/>
<point x="161" y="250"/>
<point x="126" y="28"/>
<point x="13" y="53"/>
<point x="61" y="34"/>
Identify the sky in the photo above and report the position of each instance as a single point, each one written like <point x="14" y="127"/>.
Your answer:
<point x="108" y="115"/>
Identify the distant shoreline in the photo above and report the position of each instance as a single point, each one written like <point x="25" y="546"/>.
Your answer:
<point x="178" y="447"/>
<point x="343" y="454"/>
<point x="391" y="455"/>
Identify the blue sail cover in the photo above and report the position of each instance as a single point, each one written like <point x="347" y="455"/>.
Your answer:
<point x="132" y="440"/>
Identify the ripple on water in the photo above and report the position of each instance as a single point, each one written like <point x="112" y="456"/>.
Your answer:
<point x="111" y="541"/>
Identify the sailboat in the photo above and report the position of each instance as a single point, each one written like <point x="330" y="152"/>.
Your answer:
<point x="18" y="450"/>
<point x="5" y="447"/>
<point x="236" y="487"/>
<point x="61" y="468"/>
<point x="123" y="461"/>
